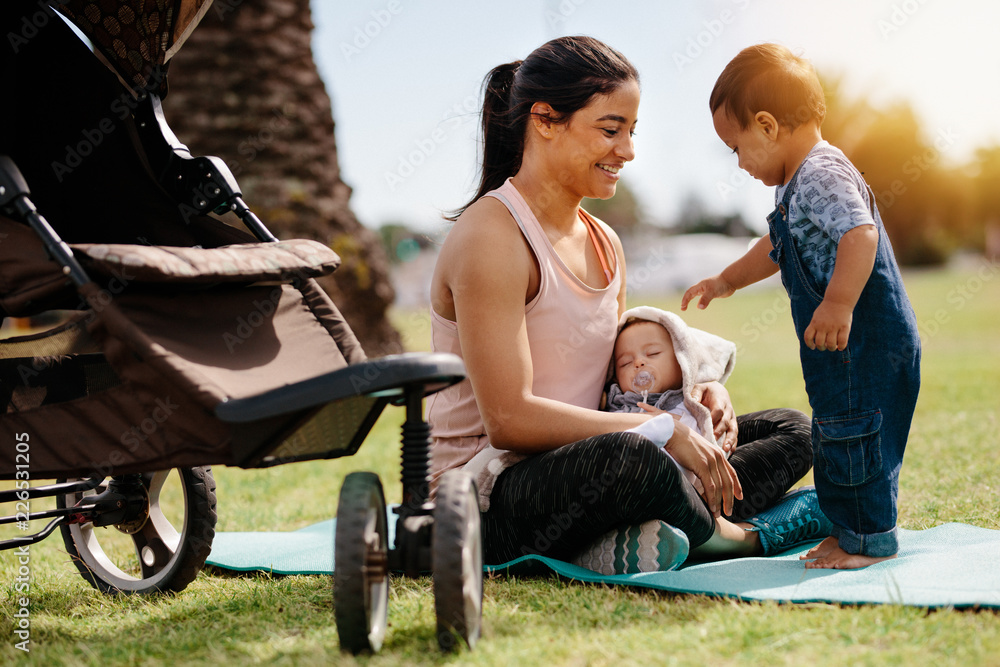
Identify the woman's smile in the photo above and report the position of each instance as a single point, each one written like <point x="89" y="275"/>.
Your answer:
<point x="610" y="170"/>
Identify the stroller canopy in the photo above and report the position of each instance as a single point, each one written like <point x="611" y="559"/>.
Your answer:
<point x="138" y="37"/>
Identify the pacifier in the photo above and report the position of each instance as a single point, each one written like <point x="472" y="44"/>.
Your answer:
<point x="642" y="383"/>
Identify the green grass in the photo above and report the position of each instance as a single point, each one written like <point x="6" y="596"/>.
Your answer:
<point x="951" y="473"/>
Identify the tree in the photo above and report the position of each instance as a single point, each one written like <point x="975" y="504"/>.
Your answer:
<point x="622" y="212"/>
<point x="245" y="87"/>
<point x="695" y="218"/>
<point x="917" y="197"/>
<point x="986" y="199"/>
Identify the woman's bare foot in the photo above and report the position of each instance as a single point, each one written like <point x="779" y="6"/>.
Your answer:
<point x="832" y="557"/>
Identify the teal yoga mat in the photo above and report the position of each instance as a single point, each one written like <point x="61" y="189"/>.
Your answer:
<point x="951" y="565"/>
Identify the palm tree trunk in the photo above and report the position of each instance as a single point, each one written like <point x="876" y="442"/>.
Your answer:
<point x="245" y="87"/>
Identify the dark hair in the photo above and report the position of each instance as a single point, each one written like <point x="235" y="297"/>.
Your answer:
<point x="565" y="73"/>
<point x="769" y="77"/>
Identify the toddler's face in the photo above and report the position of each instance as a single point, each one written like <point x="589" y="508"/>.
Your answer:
<point x="646" y="347"/>
<point x="758" y="155"/>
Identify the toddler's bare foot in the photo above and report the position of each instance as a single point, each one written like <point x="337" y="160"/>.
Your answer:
<point x="838" y="559"/>
<point x="822" y="549"/>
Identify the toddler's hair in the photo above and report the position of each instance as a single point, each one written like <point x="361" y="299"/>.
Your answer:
<point x="769" y="77"/>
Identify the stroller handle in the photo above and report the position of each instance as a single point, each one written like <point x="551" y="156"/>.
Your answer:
<point x="14" y="193"/>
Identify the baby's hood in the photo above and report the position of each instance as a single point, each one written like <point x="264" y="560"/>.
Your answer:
<point x="702" y="356"/>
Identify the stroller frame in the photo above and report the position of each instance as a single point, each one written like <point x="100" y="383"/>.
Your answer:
<point x="258" y="430"/>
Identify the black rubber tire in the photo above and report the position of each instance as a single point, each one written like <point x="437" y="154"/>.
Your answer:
<point x="169" y="551"/>
<point x="361" y="569"/>
<point x="457" y="558"/>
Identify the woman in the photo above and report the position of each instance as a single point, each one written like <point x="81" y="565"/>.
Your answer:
<point x="528" y="289"/>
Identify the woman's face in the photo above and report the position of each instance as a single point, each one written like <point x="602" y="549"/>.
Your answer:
<point x="596" y="142"/>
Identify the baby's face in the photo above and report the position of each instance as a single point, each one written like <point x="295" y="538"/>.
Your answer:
<point x="644" y="351"/>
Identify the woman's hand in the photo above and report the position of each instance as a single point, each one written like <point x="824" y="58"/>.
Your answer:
<point x="715" y="397"/>
<point x="709" y="464"/>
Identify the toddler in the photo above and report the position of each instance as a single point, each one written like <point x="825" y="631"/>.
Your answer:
<point x="858" y="341"/>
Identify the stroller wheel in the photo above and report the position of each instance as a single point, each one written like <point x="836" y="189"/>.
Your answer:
<point x="361" y="568"/>
<point x="457" y="556"/>
<point x="162" y="549"/>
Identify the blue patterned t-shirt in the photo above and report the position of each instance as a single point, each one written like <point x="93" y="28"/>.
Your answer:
<point x="829" y="200"/>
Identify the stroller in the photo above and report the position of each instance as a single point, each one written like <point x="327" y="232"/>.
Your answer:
<point x="190" y="342"/>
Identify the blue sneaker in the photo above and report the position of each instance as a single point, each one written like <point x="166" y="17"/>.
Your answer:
<point x="794" y="520"/>
<point x="653" y="546"/>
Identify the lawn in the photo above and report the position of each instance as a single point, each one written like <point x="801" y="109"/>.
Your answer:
<point x="951" y="473"/>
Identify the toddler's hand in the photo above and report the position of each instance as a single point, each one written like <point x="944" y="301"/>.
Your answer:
<point x="829" y="328"/>
<point x="710" y="288"/>
<point x="649" y="409"/>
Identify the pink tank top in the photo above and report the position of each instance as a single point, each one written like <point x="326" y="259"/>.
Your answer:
<point x="571" y="331"/>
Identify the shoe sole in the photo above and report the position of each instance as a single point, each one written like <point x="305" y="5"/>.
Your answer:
<point x="653" y="546"/>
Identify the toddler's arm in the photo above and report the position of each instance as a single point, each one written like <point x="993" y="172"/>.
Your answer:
<point x="830" y="326"/>
<point x="748" y="269"/>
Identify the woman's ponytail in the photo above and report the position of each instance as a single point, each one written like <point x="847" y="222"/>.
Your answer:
<point x="502" y="145"/>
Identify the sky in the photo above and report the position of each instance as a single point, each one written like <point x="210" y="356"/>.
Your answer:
<point x="405" y="81"/>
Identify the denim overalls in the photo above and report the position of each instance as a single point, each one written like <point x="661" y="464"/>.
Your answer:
<point x="862" y="398"/>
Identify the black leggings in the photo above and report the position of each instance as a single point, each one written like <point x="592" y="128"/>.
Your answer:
<point x="556" y="503"/>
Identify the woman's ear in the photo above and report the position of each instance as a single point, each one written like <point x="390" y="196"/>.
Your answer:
<point x="767" y="124"/>
<point x="542" y="118"/>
